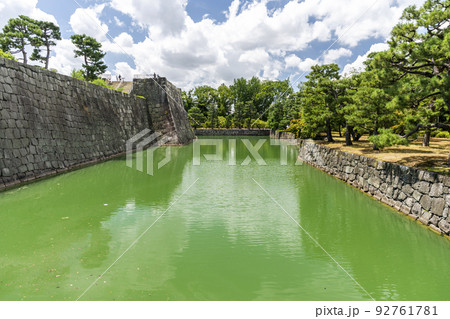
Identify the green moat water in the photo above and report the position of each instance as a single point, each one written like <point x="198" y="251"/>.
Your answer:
<point x="224" y="239"/>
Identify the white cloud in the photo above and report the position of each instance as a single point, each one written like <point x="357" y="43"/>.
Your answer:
<point x="293" y="61"/>
<point x="64" y="60"/>
<point x="331" y="56"/>
<point x="118" y="22"/>
<point x="87" y="21"/>
<point x="358" y="64"/>
<point x="123" y="43"/>
<point x="13" y="8"/>
<point x="253" y="40"/>
<point x="125" y="70"/>
<point x="161" y="16"/>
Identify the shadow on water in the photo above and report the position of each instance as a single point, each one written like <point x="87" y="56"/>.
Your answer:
<point x="390" y="255"/>
<point x="53" y="229"/>
<point x="226" y="239"/>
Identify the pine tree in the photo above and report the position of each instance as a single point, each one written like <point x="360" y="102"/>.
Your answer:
<point x="90" y="50"/>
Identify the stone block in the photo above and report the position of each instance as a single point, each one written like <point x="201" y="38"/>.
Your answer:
<point x="444" y="226"/>
<point x="423" y="187"/>
<point x="407" y="189"/>
<point x="374" y="181"/>
<point x="416" y="209"/>
<point x="425" y="218"/>
<point x="434" y="220"/>
<point x="416" y="195"/>
<point x="425" y="201"/>
<point x="437" y="206"/>
<point x="437" y="190"/>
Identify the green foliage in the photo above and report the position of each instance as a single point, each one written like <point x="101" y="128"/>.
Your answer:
<point x="101" y="82"/>
<point x="320" y="98"/>
<point x="7" y="55"/>
<point x="78" y="74"/>
<point x="221" y="122"/>
<point x="443" y="134"/>
<point x="240" y="103"/>
<point x="49" y="33"/>
<point x="224" y="100"/>
<point x="387" y="138"/>
<point x="188" y="100"/>
<point x="90" y="50"/>
<point x="18" y="33"/>
<point x="260" y="124"/>
<point x="296" y="126"/>
<point x="196" y="117"/>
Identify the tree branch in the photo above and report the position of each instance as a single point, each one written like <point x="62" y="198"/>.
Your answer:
<point x="428" y="126"/>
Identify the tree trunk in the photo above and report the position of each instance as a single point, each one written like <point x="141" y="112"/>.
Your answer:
<point x="47" y="58"/>
<point x="348" y="139"/>
<point x="375" y="132"/>
<point x="339" y="129"/>
<point x="329" y="135"/>
<point x="355" y="136"/>
<point x="24" y="52"/>
<point x="426" y="138"/>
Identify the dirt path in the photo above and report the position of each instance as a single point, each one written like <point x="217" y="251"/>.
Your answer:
<point x="433" y="158"/>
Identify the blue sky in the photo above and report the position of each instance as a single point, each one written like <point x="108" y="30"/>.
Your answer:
<point x="196" y="42"/>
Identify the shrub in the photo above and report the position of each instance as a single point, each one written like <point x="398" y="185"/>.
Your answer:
<point x="78" y="74"/>
<point x="7" y="55"/>
<point x="295" y="127"/>
<point x="387" y="138"/>
<point x="260" y="124"/>
<point x="443" y="134"/>
<point x="221" y="122"/>
<point x="101" y="82"/>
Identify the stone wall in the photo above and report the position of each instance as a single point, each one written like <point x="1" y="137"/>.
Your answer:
<point x="282" y="135"/>
<point x="231" y="132"/>
<point x="422" y="195"/>
<point x="166" y="109"/>
<point x="50" y="123"/>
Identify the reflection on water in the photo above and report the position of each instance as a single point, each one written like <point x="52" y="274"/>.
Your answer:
<point x="225" y="239"/>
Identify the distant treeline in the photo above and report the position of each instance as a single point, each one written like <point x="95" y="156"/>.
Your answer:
<point x="403" y="91"/>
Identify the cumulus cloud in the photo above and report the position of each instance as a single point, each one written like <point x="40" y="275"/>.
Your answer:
<point x="64" y="60"/>
<point x="358" y="64"/>
<point x="125" y="70"/>
<point x="331" y="56"/>
<point x="13" y="8"/>
<point x="160" y="16"/>
<point x="118" y="22"/>
<point x="293" y="61"/>
<point x="252" y="40"/>
<point x="87" y="21"/>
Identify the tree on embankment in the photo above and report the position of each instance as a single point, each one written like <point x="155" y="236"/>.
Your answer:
<point x="90" y="50"/>
<point x="17" y="34"/>
<point x="49" y="33"/>
<point x="420" y="50"/>
<point x="24" y="31"/>
<point x="320" y="99"/>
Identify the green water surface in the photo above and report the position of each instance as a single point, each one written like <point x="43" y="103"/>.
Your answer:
<point x="210" y="232"/>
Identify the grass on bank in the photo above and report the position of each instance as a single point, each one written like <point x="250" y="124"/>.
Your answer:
<point x="432" y="158"/>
